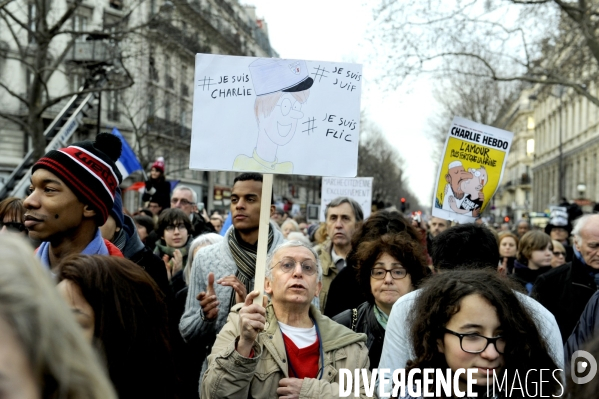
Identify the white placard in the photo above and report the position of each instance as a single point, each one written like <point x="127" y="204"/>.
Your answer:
<point x="275" y="116"/>
<point x="358" y="189"/>
<point x="471" y="169"/>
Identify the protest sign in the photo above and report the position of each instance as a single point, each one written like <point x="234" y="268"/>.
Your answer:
<point x="470" y="171"/>
<point x="358" y="189"/>
<point x="275" y="116"/>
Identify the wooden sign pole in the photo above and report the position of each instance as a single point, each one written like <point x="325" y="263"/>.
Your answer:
<point x="263" y="236"/>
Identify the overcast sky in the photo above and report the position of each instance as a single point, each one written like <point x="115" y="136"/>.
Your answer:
<point x="336" y="30"/>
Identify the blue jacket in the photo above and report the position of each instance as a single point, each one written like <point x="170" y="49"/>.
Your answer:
<point x="585" y="330"/>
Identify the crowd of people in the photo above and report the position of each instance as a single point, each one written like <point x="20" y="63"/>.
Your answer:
<point x="95" y="302"/>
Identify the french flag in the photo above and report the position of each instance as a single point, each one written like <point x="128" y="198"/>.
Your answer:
<point x="128" y="162"/>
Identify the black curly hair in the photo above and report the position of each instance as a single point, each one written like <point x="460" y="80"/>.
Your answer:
<point x="402" y="247"/>
<point x="440" y="299"/>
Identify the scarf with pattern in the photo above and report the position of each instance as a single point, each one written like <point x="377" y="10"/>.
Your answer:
<point x="244" y="255"/>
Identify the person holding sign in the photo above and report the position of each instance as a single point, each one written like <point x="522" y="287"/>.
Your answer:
<point x="281" y="87"/>
<point x="230" y="264"/>
<point x="286" y="348"/>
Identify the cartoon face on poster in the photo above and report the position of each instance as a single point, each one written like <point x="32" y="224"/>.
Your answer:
<point x="471" y="170"/>
<point x="274" y="115"/>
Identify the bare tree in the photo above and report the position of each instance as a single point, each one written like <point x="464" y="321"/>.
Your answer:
<point x="378" y="159"/>
<point x="547" y="42"/>
<point x="43" y="35"/>
<point x="481" y="100"/>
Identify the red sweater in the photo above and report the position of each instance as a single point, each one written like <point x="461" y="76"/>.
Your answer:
<point x="303" y="361"/>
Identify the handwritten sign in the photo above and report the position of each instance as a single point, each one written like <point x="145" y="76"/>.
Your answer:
<point x="471" y="169"/>
<point x="275" y="116"/>
<point x="359" y="189"/>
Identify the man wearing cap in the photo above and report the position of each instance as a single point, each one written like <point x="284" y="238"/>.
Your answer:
<point x="72" y="191"/>
<point x="281" y="87"/>
<point x="559" y="229"/>
<point x="455" y="175"/>
<point x="565" y="290"/>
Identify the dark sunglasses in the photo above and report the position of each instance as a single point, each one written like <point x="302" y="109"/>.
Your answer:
<point x="14" y="226"/>
<point x="557" y="253"/>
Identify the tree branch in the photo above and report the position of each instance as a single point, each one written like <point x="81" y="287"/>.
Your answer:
<point x="65" y="17"/>
<point x="15" y="119"/>
<point x="12" y="93"/>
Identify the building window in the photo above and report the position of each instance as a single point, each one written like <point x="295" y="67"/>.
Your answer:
<point x="112" y="106"/>
<point x="167" y="110"/>
<point x="32" y="21"/>
<point x="152" y="65"/>
<point x="116" y="4"/>
<point x="168" y="79"/>
<point x="79" y="25"/>
<point x="183" y="123"/>
<point x="184" y="86"/>
<point x="151" y="106"/>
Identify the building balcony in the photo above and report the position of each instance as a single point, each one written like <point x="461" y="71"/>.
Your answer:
<point x="168" y="128"/>
<point x="173" y="33"/>
<point x="525" y="180"/>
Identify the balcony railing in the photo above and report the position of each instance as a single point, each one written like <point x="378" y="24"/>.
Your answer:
<point x="525" y="179"/>
<point x="189" y="42"/>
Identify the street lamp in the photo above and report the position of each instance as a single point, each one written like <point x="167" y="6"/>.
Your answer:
<point x="582" y="188"/>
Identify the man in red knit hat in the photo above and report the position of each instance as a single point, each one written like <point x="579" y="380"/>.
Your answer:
<point x="71" y="194"/>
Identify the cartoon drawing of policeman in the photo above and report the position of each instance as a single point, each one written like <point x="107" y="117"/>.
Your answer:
<point x="281" y="87"/>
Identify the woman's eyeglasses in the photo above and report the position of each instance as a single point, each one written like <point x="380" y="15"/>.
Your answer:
<point x="171" y="227"/>
<point x="558" y="253"/>
<point x="396" y="274"/>
<point x="476" y="343"/>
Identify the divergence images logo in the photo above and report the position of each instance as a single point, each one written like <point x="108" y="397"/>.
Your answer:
<point x="580" y="362"/>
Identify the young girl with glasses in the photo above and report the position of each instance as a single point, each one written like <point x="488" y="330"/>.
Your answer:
<point x="472" y="319"/>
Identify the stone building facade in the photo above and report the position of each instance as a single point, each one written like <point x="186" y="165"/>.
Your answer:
<point x="514" y="195"/>
<point x="567" y="145"/>
<point x="156" y="42"/>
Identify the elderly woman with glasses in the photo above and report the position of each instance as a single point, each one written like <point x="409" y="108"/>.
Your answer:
<point x="285" y="348"/>
<point x="472" y="319"/>
<point x="388" y="267"/>
<point x="174" y="230"/>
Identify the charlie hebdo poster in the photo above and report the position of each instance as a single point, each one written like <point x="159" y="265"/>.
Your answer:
<point x="274" y="115"/>
<point x="471" y="169"/>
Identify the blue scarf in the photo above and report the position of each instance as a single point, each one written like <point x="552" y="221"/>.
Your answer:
<point x="95" y="247"/>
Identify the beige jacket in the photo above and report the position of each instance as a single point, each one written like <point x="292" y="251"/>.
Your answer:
<point x="329" y="271"/>
<point x="231" y="375"/>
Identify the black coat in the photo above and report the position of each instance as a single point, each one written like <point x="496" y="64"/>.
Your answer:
<point x="366" y="323"/>
<point x="586" y="329"/>
<point x="162" y="196"/>
<point x="527" y="277"/>
<point x="565" y="291"/>
<point x="344" y="293"/>
<point x="200" y="226"/>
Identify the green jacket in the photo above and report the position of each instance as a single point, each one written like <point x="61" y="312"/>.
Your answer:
<point x="329" y="271"/>
<point x="230" y="375"/>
